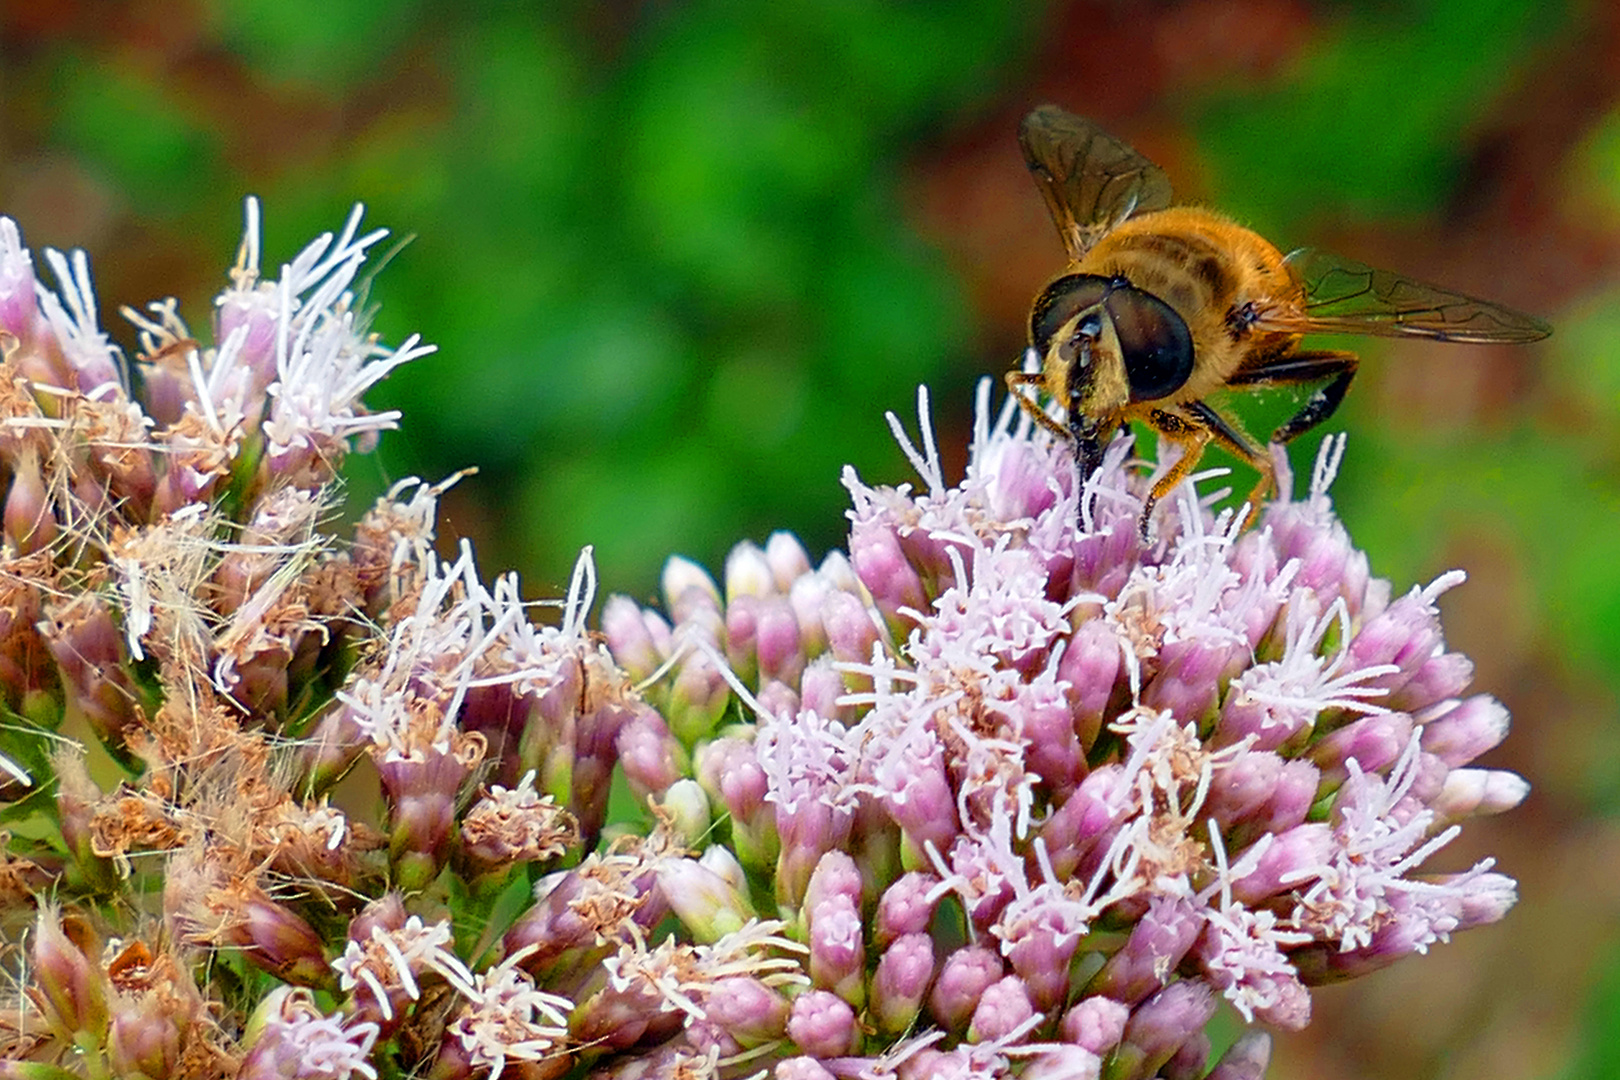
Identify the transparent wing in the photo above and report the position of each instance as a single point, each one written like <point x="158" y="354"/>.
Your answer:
<point x="1348" y="297"/>
<point x="1091" y="180"/>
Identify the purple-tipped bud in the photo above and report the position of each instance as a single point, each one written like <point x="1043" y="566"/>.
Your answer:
<point x="801" y="1068"/>
<point x="1149" y="956"/>
<point x="822" y="1024"/>
<point x="1002" y="1008"/>
<point x="1188" y="1062"/>
<point x="1486" y="900"/>
<point x="900" y="984"/>
<point x="1188" y="682"/>
<point x="73" y="989"/>
<point x="1442" y="676"/>
<point x="651" y="756"/>
<point x="967" y="973"/>
<point x="1373" y="741"/>
<point x="748" y="573"/>
<point x="1245" y="1059"/>
<point x="687" y="589"/>
<point x="787" y="559"/>
<point x="1477" y="793"/>
<point x="778" y="699"/>
<point x="708" y="905"/>
<point x="1090" y="665"/>
<point x="630" y="636"/>
<point x="1289" y="858"/>
<point x="1095" y="1024"/>
<point x="820" y="687"/>
<point x="1290" y="802"/>
<point x="851" y="632"/>
<point x="835" y="875"/>
<point x="904" y="908"/>
<point x="1406" y="634"/>
<point x="747" y="1009"/>
<point x="1242" y="786"/>
<point x="742" y="633"/>
<point x="697" y="698"/>
<point x="779" y="651"/>
<point x="1074" y="829"/>
<point x="30" y="523"/>
<point x="837" y="948"/>
<point x="889" y="577"/>
<point x="282" y="943"/>
<point x="1063" y="1063"/>
<point x="1466" y="730"/>
<point x="1160" y="1026"/>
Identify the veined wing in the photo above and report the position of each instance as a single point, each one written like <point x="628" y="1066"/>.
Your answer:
<point x="1091" y="181"/>
<point x="1343" y="296"/>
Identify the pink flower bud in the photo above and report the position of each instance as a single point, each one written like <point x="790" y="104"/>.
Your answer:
<point x="707" y="904"/>
<point x="1063" y="1063"/>
<point x="1477" y="793"/>
<point x="1442" y="676"/>
<point x="967" y="973"/>
<point x="1090" y="665"/>
<point x="1466" y="730"/>
<point x="687" y="589"/>
<point x="904" y="908"/>
<point x="884" y="570"/>
<point x="822" y="1024"/>
<point x="630" y="637"/>
<point x="1290" y="858"/>
<point x="787" y="559"/>
<point x="748" y="573"/>
<point x="73" y="988"/>
<point x="751" y="1012"/>
<point x="1245" y="1059"/>
<point x="835" y="875"/>
<point x="1373" y="741"/>
<point x="801" y="1068"/>
<point x="1095" y="1023"/>
<point x="1151" y="954"/>
<point x="1002" y="1008"/>
<point x="652" y="758"/>
<point x="1407" y="634"/>
<point x="900" y="983"/>
<point x="1160" y="1026"/>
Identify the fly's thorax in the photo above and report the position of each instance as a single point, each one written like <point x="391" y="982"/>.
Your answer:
<point x="1210" y="271"/>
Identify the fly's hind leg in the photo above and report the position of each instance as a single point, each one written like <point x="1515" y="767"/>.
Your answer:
<point x="1339" y="368"/>
<point x="1018" y="384"/>
<point x="1225" y="433"/>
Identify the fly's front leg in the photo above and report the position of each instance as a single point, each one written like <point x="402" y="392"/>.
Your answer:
<point x="1018" y="384"/>
<point x="1192" y="437"/>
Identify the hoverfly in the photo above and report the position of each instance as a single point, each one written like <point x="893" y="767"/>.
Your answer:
<point x="1162" y="305"/>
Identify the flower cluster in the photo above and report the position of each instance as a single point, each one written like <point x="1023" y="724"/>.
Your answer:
<point x="1006" y="790"/>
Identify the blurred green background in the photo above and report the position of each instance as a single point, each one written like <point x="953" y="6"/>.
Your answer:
<point x="680" y="257"/>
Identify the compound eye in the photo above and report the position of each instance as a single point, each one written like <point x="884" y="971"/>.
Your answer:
<point x="1157" y="349"/>
<point x="1061" y="301"/>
